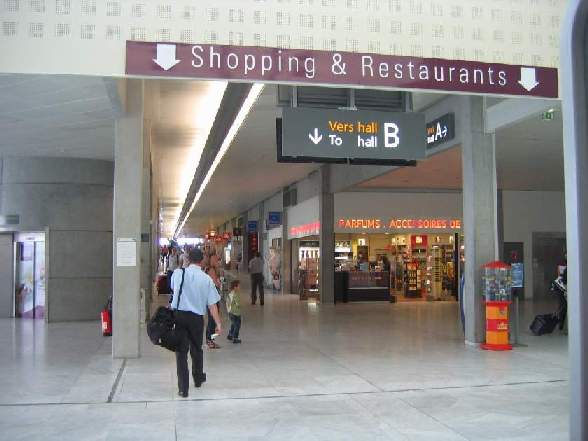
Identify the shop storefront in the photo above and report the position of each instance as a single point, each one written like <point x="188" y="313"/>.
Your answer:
<point x="405" y="246"/>
<point x="411" y="259"/>
<point x="383" y="257"/>
<point x="303" y="234"/>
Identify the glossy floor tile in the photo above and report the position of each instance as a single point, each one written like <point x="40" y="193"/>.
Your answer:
<point x="366" y="371"/>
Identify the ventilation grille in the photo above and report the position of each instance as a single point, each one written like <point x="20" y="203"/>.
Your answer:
<point x="62" y="7"/>
<point x="113" y="9"/>
<point x="87" y="32"/>
<point x="88" y="8"/>
<point x="9" y="28"/>
<point x="62" y="30"/>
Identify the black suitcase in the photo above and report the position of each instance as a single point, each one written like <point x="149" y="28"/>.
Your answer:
<point x="162" y="331"/>
<point x="544" y="324"/>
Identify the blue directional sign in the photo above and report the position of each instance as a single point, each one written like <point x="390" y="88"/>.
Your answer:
<point x="252" y="226"/>
<point x="274" y="218"/>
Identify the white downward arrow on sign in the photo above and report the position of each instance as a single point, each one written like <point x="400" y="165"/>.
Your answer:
<point x="528" y="78"/>
<point x="317" y="136"/>
<point x="166" y="56"/>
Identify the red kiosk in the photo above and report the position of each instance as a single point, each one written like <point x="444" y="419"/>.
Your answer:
<point x="497" y="291"/>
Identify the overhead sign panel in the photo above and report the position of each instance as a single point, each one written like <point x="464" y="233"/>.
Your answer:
<point x="243" y="63"/>
<point x="344" y="134"/>
<point x="441" y="130"/>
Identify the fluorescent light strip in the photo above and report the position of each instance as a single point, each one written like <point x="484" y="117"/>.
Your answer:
<point x="208" y="99"/>
<point x="239" y="119"/>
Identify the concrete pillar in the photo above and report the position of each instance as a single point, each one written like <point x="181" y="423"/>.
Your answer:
<point x="245" y="243"/>
<point x="326" y="238"/>
<point x="286" y="269"/>
<point x="127" y="222"/>
<point x="500" y="224"/>
<point x="574" y="75"/>
<point x="479" y="213"/>
<point x="146" y="249"/>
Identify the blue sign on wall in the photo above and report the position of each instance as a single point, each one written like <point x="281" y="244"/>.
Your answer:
<point x="518" y="275"/>
<point x="274" y="218"/>
<point x="252" y="226"/>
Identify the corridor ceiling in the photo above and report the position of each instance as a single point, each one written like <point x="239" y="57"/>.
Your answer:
<point x="74" y="116"/>
<point x="56" y="116"/>
<point x="529" y="157"/>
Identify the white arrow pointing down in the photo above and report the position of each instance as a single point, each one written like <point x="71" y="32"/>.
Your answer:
<point x="317" y="136"/>
<point x="528" y="78"/>
<point x="166" y="56"/>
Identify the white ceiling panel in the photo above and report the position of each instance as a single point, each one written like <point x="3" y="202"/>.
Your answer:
<point x="56" y="116"/>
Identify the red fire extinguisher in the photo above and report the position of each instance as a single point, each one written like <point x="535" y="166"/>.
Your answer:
<point x="106" y="319"/>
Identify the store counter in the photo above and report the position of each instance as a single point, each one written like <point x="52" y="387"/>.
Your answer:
<point x="363" y="286"/>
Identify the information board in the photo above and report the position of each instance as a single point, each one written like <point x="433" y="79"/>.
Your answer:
<point x="329" y="134"/>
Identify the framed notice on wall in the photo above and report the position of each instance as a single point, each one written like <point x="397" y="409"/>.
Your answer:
<point x="126" y="252"/>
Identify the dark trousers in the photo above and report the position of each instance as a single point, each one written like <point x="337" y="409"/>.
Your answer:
<point x="256" y="281"/>
<point x="191" y="326"/>
<point x="210" y="324"/>
<point x="169" y="287"/>
<point x="235" y="325"/>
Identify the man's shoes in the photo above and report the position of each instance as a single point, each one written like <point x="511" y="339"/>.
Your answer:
<point x="229" y="337"/>
<point x="236" y="340"/>
<point x="198" y="382"/>
<point x="183" y="394"/>
<point x="212" y="344"/>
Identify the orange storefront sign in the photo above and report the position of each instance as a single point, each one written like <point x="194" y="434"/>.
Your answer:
<point x="400" y="224"/>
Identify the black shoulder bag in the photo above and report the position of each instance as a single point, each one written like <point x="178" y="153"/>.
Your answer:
<point x="161" y="329"/>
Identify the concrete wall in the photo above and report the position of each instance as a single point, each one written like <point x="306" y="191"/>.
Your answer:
<point x="73" y="198"/>
<point x="43" y="52"/>
<point x="308" y="187"/>
<point x="6" y="276"/>
<point x="528" y="212"/>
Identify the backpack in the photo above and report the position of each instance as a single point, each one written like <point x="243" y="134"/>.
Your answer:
<point x="162" y="329"/>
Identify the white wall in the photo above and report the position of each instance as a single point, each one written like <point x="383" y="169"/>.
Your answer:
<point x="88" y="37"/>
<point x="528" y="212"/>
<point x="309" y="187"/>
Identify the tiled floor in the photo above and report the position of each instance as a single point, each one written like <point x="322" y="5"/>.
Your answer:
<point x="304" y="372"/>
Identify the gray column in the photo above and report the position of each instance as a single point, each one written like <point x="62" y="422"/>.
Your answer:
<point x="146" y="249"/>
<point x="479" y="213"/>
<point x="245" y="244"/>
<point x="326" y="238"/>
<point x="127" y="222"/>
<point x="574" y="77"/>
<point x="286" y="269"/>
<point x="500" y="224"/>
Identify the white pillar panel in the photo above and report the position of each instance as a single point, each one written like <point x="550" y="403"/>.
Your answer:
<point x="574" y="74"/>
<point x="127" y="220"/>
<point x="479" y="214"/>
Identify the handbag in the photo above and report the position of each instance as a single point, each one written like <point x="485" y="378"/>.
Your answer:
<point x="162" y="328"/>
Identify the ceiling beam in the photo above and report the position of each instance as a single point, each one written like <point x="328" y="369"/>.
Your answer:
<point x="512" y="111"/>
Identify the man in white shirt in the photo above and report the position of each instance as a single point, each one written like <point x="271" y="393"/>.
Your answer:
<point x="256" y="271"/>
<point x="198" y="294"/>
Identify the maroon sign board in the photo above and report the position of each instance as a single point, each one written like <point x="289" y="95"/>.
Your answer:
<point x="298" y="66"/>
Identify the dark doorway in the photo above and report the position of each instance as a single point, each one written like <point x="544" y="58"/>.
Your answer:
<point x="549" y="251"/>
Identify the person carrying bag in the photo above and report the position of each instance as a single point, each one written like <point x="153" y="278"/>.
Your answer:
<point x="196" y="293"/>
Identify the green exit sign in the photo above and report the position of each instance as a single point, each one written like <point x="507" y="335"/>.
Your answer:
<point x="548" y="115"/>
